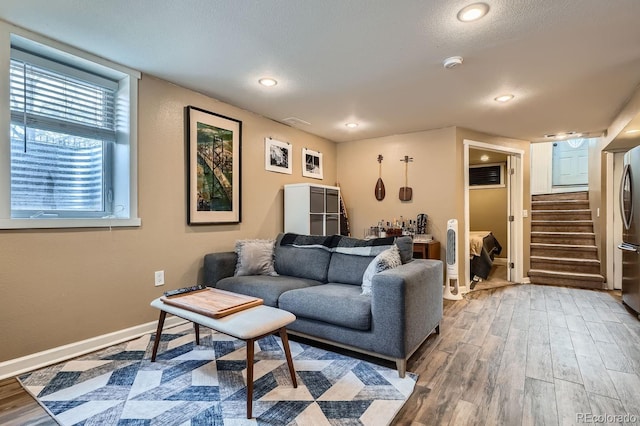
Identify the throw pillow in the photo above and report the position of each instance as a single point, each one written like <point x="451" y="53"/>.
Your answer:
<point x="388" y="259"/>
<point x="255" y="257"/>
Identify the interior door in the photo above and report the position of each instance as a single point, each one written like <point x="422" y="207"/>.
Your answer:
<point x="570" y="163"/>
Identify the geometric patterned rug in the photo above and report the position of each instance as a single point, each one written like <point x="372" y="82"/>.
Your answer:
<point x="206" y="384"/>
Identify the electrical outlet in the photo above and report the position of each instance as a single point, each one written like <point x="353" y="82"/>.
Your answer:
<point x="159" y="277"/>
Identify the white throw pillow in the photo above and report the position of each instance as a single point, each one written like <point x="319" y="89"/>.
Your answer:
<point x="255" y="257"/>
<point x="388" y="259"/>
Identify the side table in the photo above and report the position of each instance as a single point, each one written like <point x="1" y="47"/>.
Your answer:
<point x="426" y="250"/>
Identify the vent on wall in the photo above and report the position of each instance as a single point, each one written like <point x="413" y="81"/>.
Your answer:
<point x="486" y="175"/>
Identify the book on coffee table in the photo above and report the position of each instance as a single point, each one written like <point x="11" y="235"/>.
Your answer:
<point x="212" y="302"/>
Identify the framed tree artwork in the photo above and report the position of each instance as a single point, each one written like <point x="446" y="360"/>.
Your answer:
<point x="311" y="163"/>
<point x="278" y="156"/>
<point x="214" y="145"/>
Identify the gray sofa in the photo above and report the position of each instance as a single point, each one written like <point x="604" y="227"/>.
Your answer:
<point x="320" y="282"/>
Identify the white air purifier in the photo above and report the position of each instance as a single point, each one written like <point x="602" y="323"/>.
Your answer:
<point x="452" y="262"/>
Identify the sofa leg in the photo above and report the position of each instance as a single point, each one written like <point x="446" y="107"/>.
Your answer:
<point x="438" y="329"/>
<point x="401" y="365"/>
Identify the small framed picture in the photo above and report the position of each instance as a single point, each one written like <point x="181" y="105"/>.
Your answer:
<point x="311" y="163"/>
<point x="278" y="156"/>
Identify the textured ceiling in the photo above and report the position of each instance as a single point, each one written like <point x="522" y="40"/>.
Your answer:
<point x="572" y="64"/>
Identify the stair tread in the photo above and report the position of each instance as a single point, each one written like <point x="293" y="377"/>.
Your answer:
<point x="565" y="259"/>
<point x="559" y="198"/>
<point x="563" y="234"/>
<point x="563" y="203"/>
<point x="565" y="200"/>
<point x="560" y="194"/>
<point x="574" y="221"/>
<point x="561" y="210"/>
<point x="564" y="274"/>
<point x="572" y="246"/>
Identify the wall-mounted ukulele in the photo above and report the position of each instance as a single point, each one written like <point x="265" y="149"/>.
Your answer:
<point x="406" y="193"/>
<point x="379" y="191"/>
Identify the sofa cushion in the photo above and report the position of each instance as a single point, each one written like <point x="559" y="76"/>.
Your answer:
<point x="405" y="245"/>
<point x="339" y="304"/>
<point x="255" y="257"/>
<point x="310" y="260"/>
<point x="347" y="268"/>
<point x="352" y="256"/>
<point x="265" y="287"/>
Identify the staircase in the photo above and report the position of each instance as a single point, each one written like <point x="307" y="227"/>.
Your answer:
<point x="563" y="250"/>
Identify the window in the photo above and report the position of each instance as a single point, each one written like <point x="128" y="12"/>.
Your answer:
<point x="486" y="176"/>
<point x="70" y="147"/>
<point x="62" y="130"/>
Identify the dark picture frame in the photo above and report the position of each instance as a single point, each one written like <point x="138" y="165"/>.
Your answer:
<point x="312" y="163"/>
<point x="214" y="144"/>
<point x="278" y="156"/>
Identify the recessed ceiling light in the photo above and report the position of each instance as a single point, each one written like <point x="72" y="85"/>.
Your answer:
<point x="503" y="98"/>
<point x="632" y="131"/>
<point x="485" y="157"/>
<point x="268" y="82"/>
<point x="352" y="125"/>
<point x="473" y="12"/>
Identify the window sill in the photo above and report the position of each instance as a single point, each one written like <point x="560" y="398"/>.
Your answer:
<point x="68" y="223"/>
<point x="487" y="186"/>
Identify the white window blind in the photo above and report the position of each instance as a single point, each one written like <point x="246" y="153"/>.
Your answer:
<point x="62" y="132"/>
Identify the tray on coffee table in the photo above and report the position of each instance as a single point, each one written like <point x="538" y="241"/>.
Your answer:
<point x="212" y="302"/>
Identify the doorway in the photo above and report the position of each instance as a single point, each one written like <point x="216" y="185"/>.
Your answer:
<point x="488" y="218"/>
<point x="559" y="167"/>
<point x="570" y="164"/>
<point x="511" y="253"/>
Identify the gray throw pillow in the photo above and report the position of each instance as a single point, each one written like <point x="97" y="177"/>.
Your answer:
<point x="388" y="259"/>
<point x="255" y="257"/>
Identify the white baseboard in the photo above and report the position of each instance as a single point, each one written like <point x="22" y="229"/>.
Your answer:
<point x="500" y="261"/>
<point x="526" y="280"/>
<point x="14" y="367"/>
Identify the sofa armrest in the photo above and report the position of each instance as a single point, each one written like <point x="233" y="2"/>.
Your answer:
<point x="407" y="303"/>
<point x="218" y="266"/>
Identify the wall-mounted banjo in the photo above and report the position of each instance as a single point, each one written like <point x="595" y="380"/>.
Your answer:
<point x="406" y="193"/>
<point x="379" y="191"/>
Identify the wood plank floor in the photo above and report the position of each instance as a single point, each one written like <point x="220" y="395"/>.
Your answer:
<point x="529" y="355"/>
<point x="515" y="355"/>
<point x="18" y="408"/>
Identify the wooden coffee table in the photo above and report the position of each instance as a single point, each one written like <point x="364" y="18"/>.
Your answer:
<point x="249" y="325"/>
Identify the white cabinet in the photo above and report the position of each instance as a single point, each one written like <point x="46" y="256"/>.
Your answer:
<point x="311" y="209"/>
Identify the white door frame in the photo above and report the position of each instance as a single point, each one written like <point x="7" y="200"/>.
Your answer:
<point x="510" y="183"/>
<point x="515" y="246"/>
